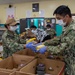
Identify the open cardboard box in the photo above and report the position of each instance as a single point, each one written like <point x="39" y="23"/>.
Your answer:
<point x="26" y="51"/>
<point x="20" y="73"/>
<point x="4" y="73"/>
<point x="14" y="73"/>
<point x="57" y="66"/>
<point x="15" y="62"/>
<point x="29" y="52"/>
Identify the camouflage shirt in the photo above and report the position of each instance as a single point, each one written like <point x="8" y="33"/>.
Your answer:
<point x="11" y="43"/>
<point x="51" y="32"/>
<point x="65" y="45"/>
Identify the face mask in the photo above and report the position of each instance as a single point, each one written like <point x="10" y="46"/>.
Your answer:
<point x="48" y="28"/>
<point x="33" y="31"/>
<point x="13" y="28"/>
<point x="60" y="22"/>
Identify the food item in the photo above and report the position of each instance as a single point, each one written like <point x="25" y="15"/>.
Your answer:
<point x="40" y="46"/>
<point x="0" y="59"/>
<point x="31" y="40"/>
<point x="22" y="34"/>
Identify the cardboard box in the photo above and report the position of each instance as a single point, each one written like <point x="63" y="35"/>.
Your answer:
<point x="14" y="73"/>
<point x="26" y="51"/>
<point x="6" y="70"/>
<point x="4" y="73"/>
<point x="29" y="52"/>
<point x="57" y="66"/>
<point x="15" y="62"/>
<point x="20" y="73"/>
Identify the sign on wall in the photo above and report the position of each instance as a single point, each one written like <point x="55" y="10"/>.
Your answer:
<point x="28" y="14"/>
<point x="42" y="13"/>
<point x="10" y="12"/>
<point x="35" y="7"/>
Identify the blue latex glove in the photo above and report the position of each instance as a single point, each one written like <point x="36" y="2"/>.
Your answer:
<point x="38" y="44"/>
<point x="31" y="46"/>
<point x="28" y="44"/>
<point x="43" y="50"/>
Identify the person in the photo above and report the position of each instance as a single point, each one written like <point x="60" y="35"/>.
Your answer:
<point x="10" y="40"/>
<point x="30" y="34"/>
<point x="40" y="33"/>
<point x="50" y="31"/>
<point x="64" y="44"/>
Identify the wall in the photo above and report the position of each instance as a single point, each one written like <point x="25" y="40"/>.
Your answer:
<point x="49" y="6"/>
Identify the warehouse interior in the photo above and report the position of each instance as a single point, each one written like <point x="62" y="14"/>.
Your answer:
<point x="37" y="37"/>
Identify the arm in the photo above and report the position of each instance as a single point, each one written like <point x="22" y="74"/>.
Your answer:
<point x="54" y="41"/>
<point x="21" y="40"/>
<point x="12" y="45"/>
<point x="52" y="33"/>
<point x="67" y="42"/>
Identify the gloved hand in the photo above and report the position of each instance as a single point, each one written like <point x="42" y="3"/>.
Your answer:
<point x="43" y="50"/>
<point x="28" y="44"/>
<point x="31" y="46"/>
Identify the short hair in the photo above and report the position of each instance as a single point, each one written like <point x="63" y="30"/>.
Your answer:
<point x="48" y="25"/>
<point x="6" y="25"/>
<point x="63" y="10"/>
<point x="33" y="26"/>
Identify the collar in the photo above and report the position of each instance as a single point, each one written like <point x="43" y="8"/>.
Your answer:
<point x="10" y="33"/>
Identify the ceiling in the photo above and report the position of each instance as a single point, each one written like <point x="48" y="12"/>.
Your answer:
<point x="17" y="1"/>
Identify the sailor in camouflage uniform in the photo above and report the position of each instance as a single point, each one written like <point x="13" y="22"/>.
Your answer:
<point x="50" y="31"/>
<point x="10" y="40"/>
<point x="65" y="44"/>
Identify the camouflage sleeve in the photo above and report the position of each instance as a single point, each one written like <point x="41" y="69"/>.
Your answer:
<point x="21" y="40"/>
<point x="13" y="45"/>
<point x="53" y="33"/>
<point x="54" y="41"/>
<point x="67" y="42"/>
<point x="57" y="49"/>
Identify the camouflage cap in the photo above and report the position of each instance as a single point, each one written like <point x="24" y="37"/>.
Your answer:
<point x="11" y="21"/>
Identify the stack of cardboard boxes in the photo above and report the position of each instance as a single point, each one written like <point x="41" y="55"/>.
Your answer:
<point x="26" y="62"/>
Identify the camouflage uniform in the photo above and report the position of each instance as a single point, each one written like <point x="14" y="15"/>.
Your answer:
<point x="51" y="32"/>
<point x="11" y="43"/>
<point x="65" y="45"/>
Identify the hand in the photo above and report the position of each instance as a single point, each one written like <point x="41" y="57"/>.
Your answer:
<point x="24" y="46"/>
<point x="31" y="46"/>
<point x="43" y="50"/>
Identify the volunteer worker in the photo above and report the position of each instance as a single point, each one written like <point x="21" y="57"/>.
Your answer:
<point x="50" y="31"/>
<point x="40" y="33"/>
<point x="10" y="40"/>
<point x="65" y="44"/>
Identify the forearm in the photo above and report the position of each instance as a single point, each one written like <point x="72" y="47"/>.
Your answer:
<point x="57" y="49"/>
<point x="22" y="41"/>
<point x="54" y="41"/>
<point x="12" y="45"/>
